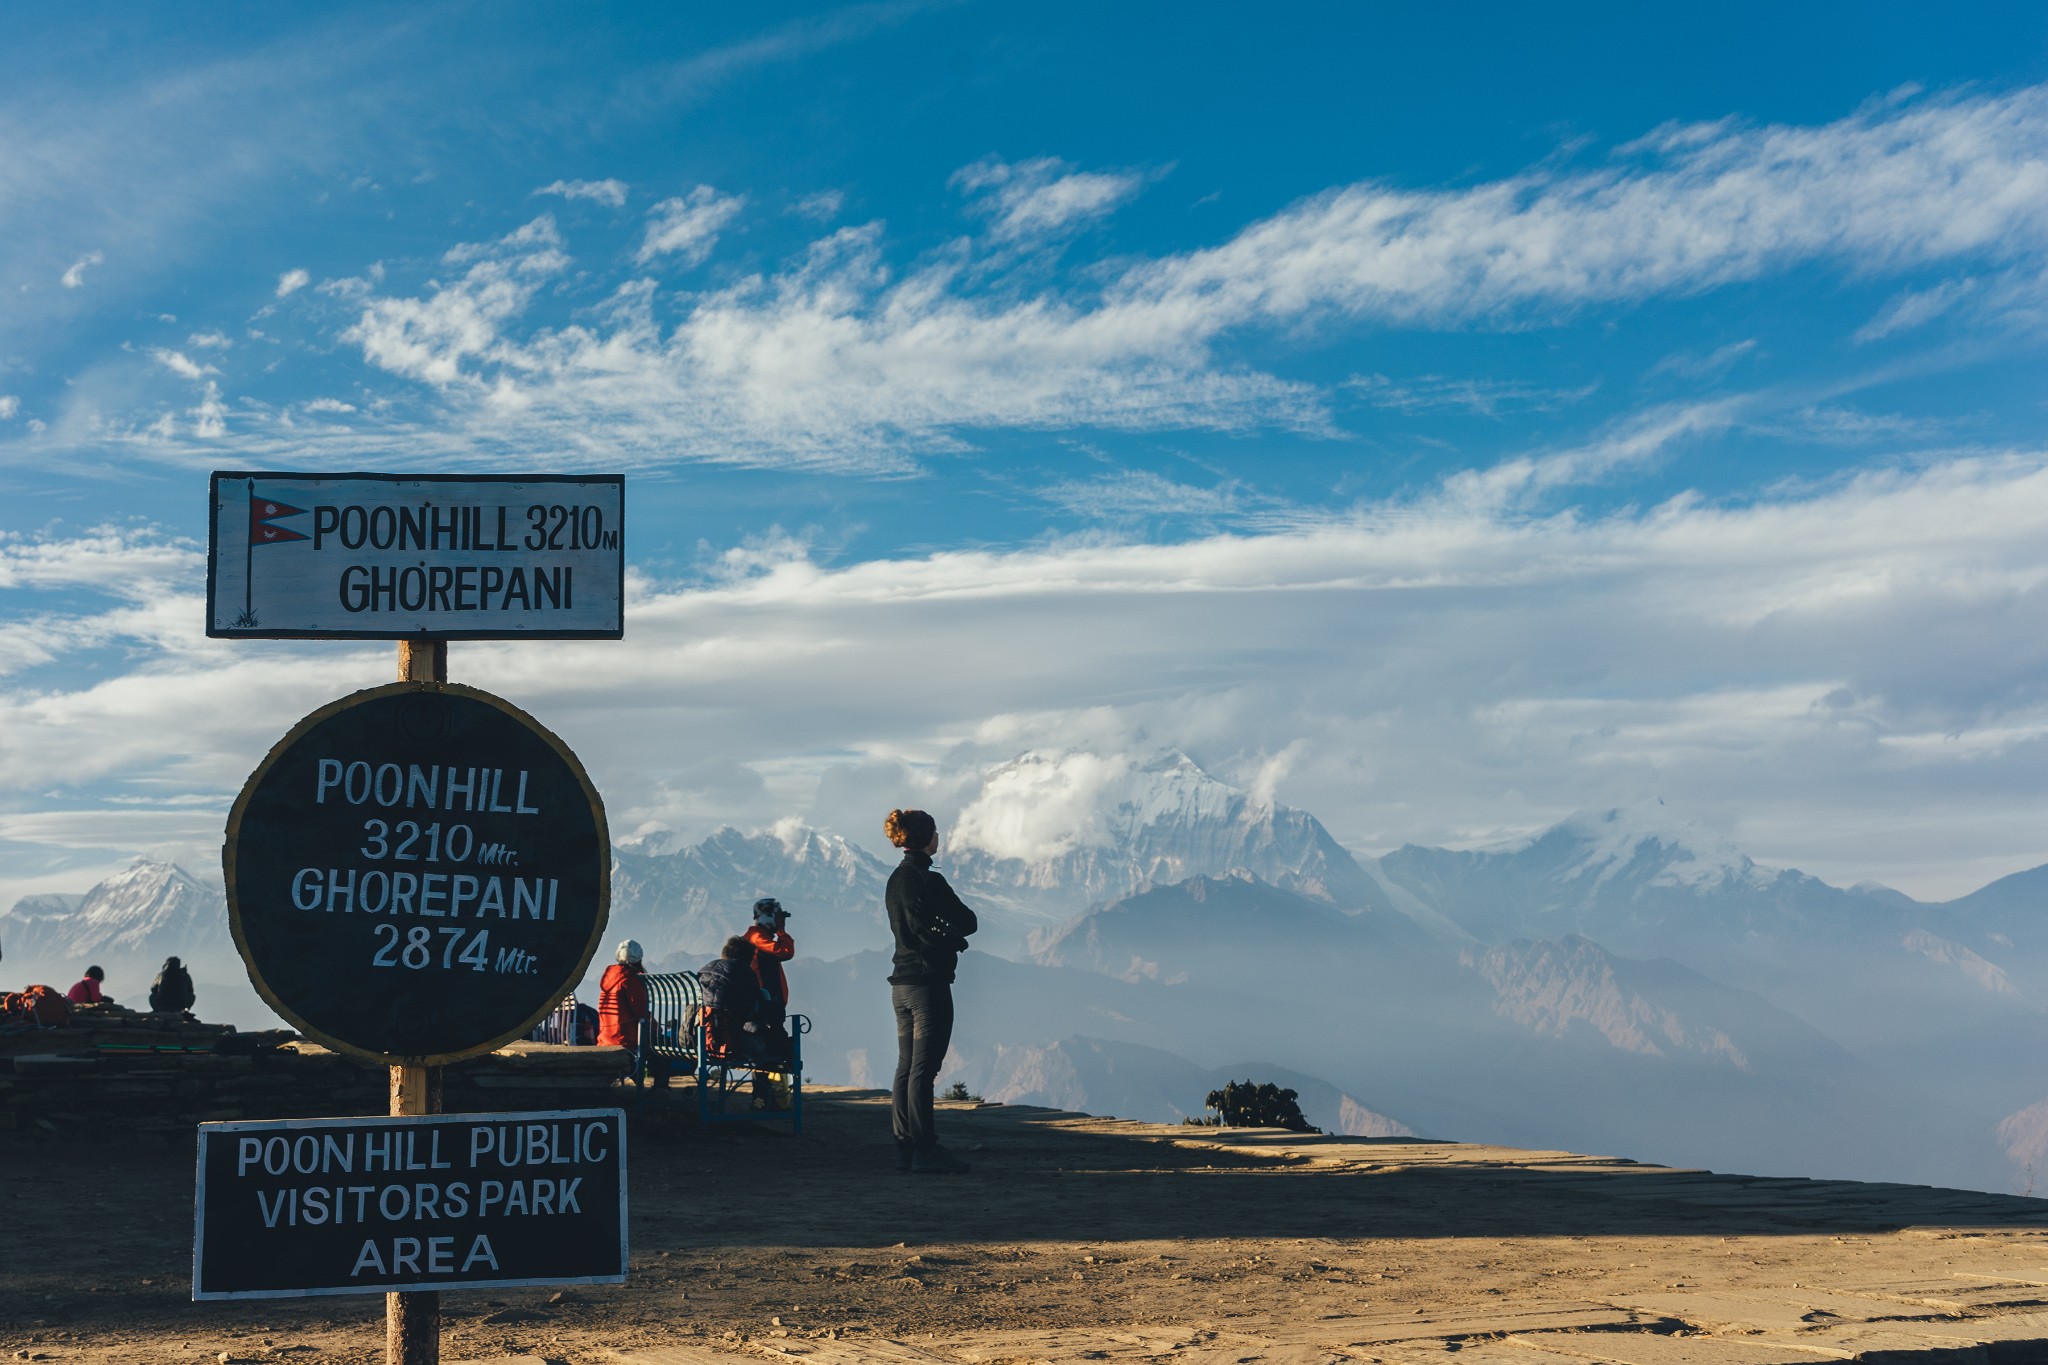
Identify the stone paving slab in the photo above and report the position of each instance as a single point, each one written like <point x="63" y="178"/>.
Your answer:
<point x="1769" y="1310"/>
<point x="1881" y="1347"/>
<point x="690" y="1354"/>
<point x="1502" y="1352"/>
<point x="1658" y="1348"/>
<point x="1380" y="1330"/>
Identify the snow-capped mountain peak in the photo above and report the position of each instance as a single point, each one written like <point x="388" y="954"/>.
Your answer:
<point x="147" y="910"/>
<point x="682" y="900"/>
<point x="1050" y="833"/>
<point x="1688" y="853"/>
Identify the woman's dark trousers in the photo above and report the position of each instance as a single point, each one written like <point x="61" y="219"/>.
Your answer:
<point x="924" y="1030"/>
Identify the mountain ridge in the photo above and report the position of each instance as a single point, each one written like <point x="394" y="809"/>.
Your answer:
<point x="1541" y="990"/>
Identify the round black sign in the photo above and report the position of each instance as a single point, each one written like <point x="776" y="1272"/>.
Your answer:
<point x="417" y="873"/>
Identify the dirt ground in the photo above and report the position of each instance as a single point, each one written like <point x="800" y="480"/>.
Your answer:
<point x="1090" y="1239"/>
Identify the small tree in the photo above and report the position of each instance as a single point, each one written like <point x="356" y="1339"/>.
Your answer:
<point x="959" y="1092"/>
<point x="1243" y="1104"/>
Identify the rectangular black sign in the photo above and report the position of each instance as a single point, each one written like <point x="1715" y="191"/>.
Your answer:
<point x="293" y="1207"/>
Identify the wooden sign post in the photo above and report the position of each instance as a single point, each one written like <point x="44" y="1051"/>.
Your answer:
<point x="412" y="1321"/>
<point x="418" y="799"/>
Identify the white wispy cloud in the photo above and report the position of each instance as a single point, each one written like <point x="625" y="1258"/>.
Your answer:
<point x="611" y="193"/>
<point x="843" y="357"/>
<point x="108" y="557"/>
<point x="209" y="416"/>
<point x="180" y="364"/>
<point x="334" y="405"/>
<point x="1485" y="397"/>
<point x="75" y="275"/>
<point x="790" y="370"/>
<point x="687" y="227"/>
<point x="697" y="77"/>
<point x="1043" y="195"/>
<point x="822" y="207"/>
<point x="209" y="134"/>
<point x="1633" y="441"/>
<point x="209" y="341"/>
<point x="1689" y="208"/>
<point x="1842" y="425"/>
<point x="430" y="339"/>
<point x="1915" y="308"/>
<point x="1047" y="806"/>
<point x="1808" y="664"/>
<point x="1133" y="493"/>
<point x="10" y="406"/>
<point x="1692" y="365"/>
<point x="291" y="282"/>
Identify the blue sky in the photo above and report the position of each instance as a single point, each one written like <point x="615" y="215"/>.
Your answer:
<point x="1441" y="422"/>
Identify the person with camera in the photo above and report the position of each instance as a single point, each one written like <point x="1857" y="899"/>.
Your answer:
<point x="772" y="947"/>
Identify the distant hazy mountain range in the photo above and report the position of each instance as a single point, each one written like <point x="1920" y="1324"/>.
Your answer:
<point x="1622" y="982"/>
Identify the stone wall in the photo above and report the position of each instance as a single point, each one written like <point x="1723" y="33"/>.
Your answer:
<point x="124" y="1077"/>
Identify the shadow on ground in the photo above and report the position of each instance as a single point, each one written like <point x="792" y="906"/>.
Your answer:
<point x="1046" y="1175"/>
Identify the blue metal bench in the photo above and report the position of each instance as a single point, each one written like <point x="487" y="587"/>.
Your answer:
<point x="674" y="1034"/>
<point x="560" y="1026"/>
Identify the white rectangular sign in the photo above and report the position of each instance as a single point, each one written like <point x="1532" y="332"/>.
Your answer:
<point x="400" y="556"/>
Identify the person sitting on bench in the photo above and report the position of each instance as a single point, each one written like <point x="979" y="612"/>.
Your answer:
<point x="738" y="1019"/>
<point x="622" y="1011"/>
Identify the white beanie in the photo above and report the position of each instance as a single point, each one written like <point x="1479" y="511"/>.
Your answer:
<point x="629" y="951"/>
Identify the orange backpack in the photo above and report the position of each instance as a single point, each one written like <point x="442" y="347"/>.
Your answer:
<point x="39" y="1006"/>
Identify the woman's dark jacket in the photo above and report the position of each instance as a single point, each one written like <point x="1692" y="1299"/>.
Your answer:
<point x="930" y="923"/>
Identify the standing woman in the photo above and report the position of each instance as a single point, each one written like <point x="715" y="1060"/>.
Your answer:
<point x="931" y="928"/>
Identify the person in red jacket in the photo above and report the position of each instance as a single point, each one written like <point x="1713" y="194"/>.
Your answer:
<point x="622" y="1000"/>
<point x="622" y="1009"/>
<point x="772" y="947"/>
<point x="87" y="991"/>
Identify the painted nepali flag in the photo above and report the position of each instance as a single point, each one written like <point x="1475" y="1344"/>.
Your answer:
<point x="262" y="511"/>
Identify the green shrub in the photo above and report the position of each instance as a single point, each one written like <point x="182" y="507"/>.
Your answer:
<point x="1243" y="1104"/>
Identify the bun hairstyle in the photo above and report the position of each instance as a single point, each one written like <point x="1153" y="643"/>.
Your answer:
<point x="910" y="828"/>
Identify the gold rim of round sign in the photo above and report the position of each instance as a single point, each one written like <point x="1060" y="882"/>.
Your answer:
<point x="334" y="708"/>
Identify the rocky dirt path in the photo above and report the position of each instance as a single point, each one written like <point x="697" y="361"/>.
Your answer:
<point x="1078" y="1238"/>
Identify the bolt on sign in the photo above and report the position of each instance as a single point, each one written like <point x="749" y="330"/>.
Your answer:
<point x="406" y="556"/>
<point x="295" y="1207"/>
<point x="417" y="873"/>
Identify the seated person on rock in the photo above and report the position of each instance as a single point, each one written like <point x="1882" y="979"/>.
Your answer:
<point x="87" y="991"/>
<point x="171" y="992"/>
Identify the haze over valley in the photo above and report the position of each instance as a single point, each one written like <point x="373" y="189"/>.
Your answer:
<point x="1624" y="981"/>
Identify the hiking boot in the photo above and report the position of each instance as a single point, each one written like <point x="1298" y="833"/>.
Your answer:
<point x="904" y="1151"/>
<point x="938" y="1161"/>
